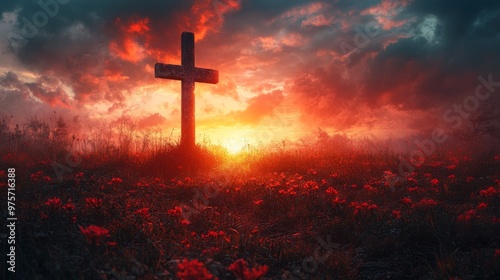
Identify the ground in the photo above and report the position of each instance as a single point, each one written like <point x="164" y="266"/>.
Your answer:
<point x="286" y="215"/>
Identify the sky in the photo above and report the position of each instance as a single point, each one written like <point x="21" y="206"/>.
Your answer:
<point x="372" y="68"/>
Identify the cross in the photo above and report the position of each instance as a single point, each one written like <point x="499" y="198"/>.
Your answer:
<point x="188" y="74"/>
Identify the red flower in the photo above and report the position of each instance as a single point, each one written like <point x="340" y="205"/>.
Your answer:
<point x="332" y="191"/>
<point x="69" y="207"/>
<point x="396" y="214"/>
<point x="434" y="182"/>
<point x="467" y="216"/>
<point x="427" y="202"/>
<point x="469" y="179"/>
<point x="497" y="157"/>
<point x="36" y="176"/>
<point x="258" y="202"/>
<point x="115" y="181"/>
<point x="213" y="234"/>
<point x="482" y="205"/>
<point x="489" y="192"/>
<point x="144" y="212"/>
<point x="406" y="200"/>
<point x="94" y="234"/>
<point x="368" y="187"/>
<point x="451" y="167"/>
<point x="54" y="203"/>
<point x="93" y="202"/>
<point x="193" y="270"/>
<point x="338" y="201"/>
<point x="240" y="269"/>
<point x="175" y="212"/>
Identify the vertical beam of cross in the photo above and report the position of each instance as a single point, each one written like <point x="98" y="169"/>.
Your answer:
<point x="188" y="74"/>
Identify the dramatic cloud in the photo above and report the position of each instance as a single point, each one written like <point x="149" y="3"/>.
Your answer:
<point x="339" y="65"/>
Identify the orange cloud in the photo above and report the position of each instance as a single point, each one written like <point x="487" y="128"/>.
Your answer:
<point x="133" y="40"/>
<point x="151" y="120"/>
<point x="259" y="107"/>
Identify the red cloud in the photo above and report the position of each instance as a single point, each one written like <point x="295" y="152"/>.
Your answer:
<point x="133" y="40"/>
<point x="150" y="121"/>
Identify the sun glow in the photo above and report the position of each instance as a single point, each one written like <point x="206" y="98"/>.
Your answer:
<point x="234" y="146"/>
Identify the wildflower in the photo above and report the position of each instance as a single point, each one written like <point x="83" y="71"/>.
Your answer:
<point x="193" y="270"/>
<point x="94" y="234"/>
<point x="451" y="167"/>
<point x="467" y="216"/>
<point x="412" y="180"/>
<point x="111" y="243"/>
<point x="469" y="179"/>
<point x="115" y="181"/>
<point x="144" y="212"/>
<point x="213" y="234"/>
<point x="482" y="205"/>
<point x="186" y="243"/>
<point x="489" y="192"/>
<point x="434" y="182"/>
<point x="258" y="202"/>
<point x="93" y="202"/>
<point x="406" y="200"/>
<point x="185" y="222"/>
<point x="338" y="201"/>
<point x="427" y="202"/>
<point x="54" y="203"/>
<point x="363" y="206"/>
<point x="175" y="212"/>
<point x="452" y="177"/>
<point x="332" y="191"/>
<point x="412" y="189"/>
<point x="36" y="176"/>
<point x="69" y="207"/>
<point x="311" y="185"/>
<point x="240" y="269"/>
<point x="368" y="187"/>
<point x="497" y="157"/>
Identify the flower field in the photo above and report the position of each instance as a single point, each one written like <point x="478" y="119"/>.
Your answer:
<point x="282" y="216"/>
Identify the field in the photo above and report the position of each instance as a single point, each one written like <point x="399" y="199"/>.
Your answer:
<point x="279" y="215"/>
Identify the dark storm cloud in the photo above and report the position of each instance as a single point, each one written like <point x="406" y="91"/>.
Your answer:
<point x="415" y="73"/>
<point x="101" y="49"/>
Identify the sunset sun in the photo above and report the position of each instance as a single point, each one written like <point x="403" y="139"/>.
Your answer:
<point x="234" y="146"/>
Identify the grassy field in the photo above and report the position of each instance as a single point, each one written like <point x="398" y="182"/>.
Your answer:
<point x="282" y="215"/>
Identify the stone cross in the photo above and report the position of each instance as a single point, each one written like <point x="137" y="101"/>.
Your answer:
<point x="188" y="74"/>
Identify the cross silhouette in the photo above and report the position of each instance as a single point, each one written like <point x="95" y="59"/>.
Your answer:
<point x="188" y="74"/>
